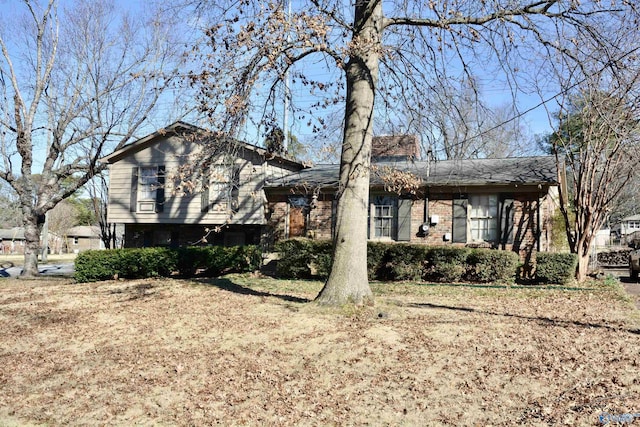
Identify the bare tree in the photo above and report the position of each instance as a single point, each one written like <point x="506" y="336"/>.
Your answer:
<point x="399" y="54"/>
<point x="597" y="137"/>
<point x="98" y="191"/>
<point x="458" y="125"/>
<point x="75" y="83"/>
<point x="60" y="220"/>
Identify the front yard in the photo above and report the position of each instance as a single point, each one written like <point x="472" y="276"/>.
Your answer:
<point x="244" y="350"/>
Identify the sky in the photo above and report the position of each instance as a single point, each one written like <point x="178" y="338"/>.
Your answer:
<point x="496" y="92"/>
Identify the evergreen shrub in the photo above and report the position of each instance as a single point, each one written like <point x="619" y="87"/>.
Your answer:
<point x="400" y="261"/>
<point x="555" y="268"/>
<point x="138" y="263"/>
<point x="488" y="265"/>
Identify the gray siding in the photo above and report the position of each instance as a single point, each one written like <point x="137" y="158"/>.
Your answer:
<point x="180" y="208"/>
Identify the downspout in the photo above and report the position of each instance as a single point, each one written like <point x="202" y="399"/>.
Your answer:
<point x="426" y="197"/>
<point x="539" y="230"/>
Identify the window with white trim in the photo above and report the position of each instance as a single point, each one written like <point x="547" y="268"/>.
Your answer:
<point x="483" y="217"/>
<point x="383" y="217"/>
<point x="147" y="188"/>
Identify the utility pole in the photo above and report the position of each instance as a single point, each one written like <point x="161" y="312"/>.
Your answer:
<point x="287" y="90"/>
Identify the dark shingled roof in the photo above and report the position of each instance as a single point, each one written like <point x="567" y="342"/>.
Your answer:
<point x="516" y="170"/>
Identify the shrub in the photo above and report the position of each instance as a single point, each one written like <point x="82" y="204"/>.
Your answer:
<point x="403" y="262"/>
<point x="217" y="260"/>
<point x="446" y="264"/>
<point x="400" y="261"/>
<point x="91" y="266"/>
<point x="299" y="255"/>
<point x="558" y="268"/>
<point x="235" y="259"/>
<point x="191" y="259"/>
<point x="489" y="265"/>
<point x="376" y="252"/>
<point x="323" y="250"/>
<point x="141" y="263"/>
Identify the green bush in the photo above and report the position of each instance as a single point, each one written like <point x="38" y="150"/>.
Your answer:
<point x="557" y="268"/>
<point x="446" y="264"/>
<point x="91" y="266"/>
<point x="376" y="252"/>
<point x="489" y="265"/>
<point x="399" y="261"/>
<point x="191" y="259"/>
<point x="217" y="260"/>
<point x="403" y="262"/>
<point x="303" y="258"/>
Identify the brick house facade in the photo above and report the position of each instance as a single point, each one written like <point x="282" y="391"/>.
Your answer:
<point x="505" y="204"/>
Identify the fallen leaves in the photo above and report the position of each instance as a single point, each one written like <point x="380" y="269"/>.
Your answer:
<point x="179" y="353"/>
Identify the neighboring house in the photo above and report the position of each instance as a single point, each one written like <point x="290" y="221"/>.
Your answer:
<point x="82" y="238"/>
<point x="12" y="241"/>
<point x="626" y="228"/>
<point x="261" y="197"/>
<point x="155" y="189"/>
<point x="602" y="238"/>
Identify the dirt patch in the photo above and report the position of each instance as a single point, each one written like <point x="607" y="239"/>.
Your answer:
<point x="251" y="351"/>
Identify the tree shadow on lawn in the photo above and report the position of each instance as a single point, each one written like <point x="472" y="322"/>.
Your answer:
<point x="539" y="319"/>
<point x="229" y="285"/>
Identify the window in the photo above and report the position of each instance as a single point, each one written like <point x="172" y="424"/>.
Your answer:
<point x="483" y="217"/>
<point x="147" y="189"/>
<point x="75" y="240"/>
<point x="383" y="216"/>
<point x="147" y="185"/>
<point x="222" y="188"/>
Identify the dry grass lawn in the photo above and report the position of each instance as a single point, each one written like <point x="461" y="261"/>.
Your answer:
<point x="245" y="350"/>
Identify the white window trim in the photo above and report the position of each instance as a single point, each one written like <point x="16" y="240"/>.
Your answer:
<point x="492" y="217"/>
<point x="394" y="217"/>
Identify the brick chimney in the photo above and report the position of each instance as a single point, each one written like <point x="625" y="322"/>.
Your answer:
<point x="395" y="147"/>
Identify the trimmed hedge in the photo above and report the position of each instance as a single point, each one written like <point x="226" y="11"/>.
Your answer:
<point x="91" y="266"/>
<point x="217" y="260"/>
<point x="399" y="261"/>
<point x="492" y="265"/>
<point x="558" y="268"/>
<point x="303" y="258"/>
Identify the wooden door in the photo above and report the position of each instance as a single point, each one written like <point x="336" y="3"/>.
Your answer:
<point x="296" y="221"/>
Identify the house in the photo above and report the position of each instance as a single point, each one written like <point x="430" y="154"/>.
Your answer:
<point x="81" y="238"/>
<point x="500" y="203"/>
<point x="183" y="186"/>
<point x="12" y="241"/>
<point x="259" y="197"/>
<point x="625" y="229"/>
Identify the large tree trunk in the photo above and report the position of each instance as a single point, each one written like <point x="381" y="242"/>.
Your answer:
<point x="32" y="246"/>
<point x="348" y="281"/>
<point x="583" y="251"/>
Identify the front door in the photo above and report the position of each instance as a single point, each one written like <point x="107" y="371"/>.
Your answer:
<point x="297" y="216"/>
